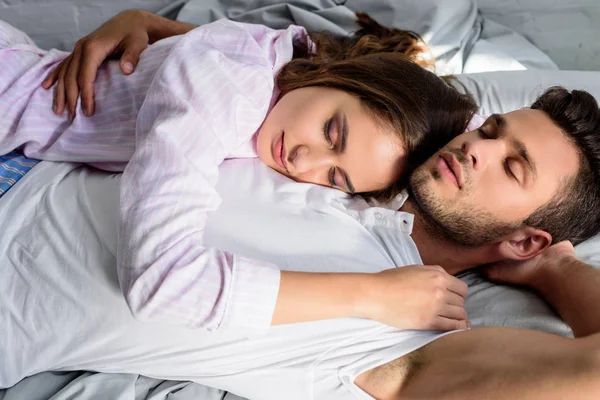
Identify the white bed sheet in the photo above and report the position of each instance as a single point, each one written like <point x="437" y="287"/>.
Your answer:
<point x="487" y="305"/>
<point x="461" y="40"/>
<point x="567" y="31"/>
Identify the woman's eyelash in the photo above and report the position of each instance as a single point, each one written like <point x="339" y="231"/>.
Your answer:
<point x="482" y="133"/>
<point x="326" y="131"/>
<point x="332" y="176"/>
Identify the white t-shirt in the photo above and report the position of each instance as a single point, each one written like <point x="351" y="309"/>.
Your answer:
<point x="61" y="307"/>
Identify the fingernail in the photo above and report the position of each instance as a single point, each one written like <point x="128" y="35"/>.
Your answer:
<point x="85" y="111"/>
<point x="468" y="324"/>
<point x="128" y="67"/>
<point x="54" y="108"/>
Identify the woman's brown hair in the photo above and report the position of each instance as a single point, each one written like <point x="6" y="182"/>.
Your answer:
<point x="385" y="68"/>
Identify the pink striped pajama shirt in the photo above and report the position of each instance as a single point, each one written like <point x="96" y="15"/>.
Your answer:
<point x="194" y="101"/>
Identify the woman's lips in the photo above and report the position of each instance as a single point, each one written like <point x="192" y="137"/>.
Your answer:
<point x="279" y="153"/>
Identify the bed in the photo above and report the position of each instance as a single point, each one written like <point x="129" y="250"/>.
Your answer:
<point x="458" y="51"/>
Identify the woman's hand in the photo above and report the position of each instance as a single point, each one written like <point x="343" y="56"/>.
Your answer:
<point x="413" y="297"/>
<point x="418" y="297"/>
<point x="126" y="35"/>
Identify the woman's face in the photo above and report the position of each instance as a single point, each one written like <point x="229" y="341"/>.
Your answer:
<point x="327" y="137"/>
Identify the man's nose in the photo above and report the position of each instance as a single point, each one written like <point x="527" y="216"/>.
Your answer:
<point x="481" y="152"/>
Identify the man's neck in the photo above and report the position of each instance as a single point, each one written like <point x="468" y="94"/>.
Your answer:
<point x="435" y="250"/>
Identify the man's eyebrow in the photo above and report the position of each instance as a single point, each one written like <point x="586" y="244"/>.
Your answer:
<point x="516" y="143"/>
<point x="499" y="119"/>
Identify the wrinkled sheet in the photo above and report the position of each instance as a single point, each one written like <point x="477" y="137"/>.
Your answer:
<point x="454" y="30"/>
<point x="461" y="39"/>
<point x="92" y="386"/>
<point x="567" y="31"/>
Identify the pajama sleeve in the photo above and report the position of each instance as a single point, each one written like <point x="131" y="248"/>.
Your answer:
<point x="210" y="96"/>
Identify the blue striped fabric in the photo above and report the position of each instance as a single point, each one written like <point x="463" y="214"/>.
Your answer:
<point x="13" y="166"/>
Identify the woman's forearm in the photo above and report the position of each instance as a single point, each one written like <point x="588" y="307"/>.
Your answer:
<point x="316" y="296"/>
<point x="411" y="297"/>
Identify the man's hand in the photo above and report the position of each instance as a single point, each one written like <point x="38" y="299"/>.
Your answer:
<point x="569" y="285"/>
<point x="126" y="34"/>
<point x="530" y="272"/>
<point x="417" y="297"/>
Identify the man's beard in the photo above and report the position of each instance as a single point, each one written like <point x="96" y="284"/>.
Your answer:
<point x="459" y="223"/>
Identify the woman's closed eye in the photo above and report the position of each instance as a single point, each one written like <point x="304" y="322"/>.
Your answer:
<point x="331" y="132"/>
<point x="336" y="134"/>
<point x="335" y="179"/>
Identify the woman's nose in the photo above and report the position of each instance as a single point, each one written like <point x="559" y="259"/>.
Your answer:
<point x="306" y="159"/>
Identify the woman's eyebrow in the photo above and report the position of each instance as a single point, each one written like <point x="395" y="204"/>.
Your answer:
<point x="344" y="125"/>
<point x="344" y="132"/>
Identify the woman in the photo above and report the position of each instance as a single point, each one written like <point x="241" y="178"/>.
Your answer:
<point x="354" y="120"/>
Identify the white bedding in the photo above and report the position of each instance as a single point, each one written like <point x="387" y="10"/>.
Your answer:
<point x="61" y="307"/>
<point x="452" y="40"/>
<point x="461" y="39"/>
<point x="567" y="31"/>
<point x="66" y="215"/>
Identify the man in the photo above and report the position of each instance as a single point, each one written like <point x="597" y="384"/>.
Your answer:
<point x="61" y="308"/>
<point x="496" y="194"/>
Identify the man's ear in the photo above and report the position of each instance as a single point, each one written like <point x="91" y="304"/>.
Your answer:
<point x="524" y="243"/>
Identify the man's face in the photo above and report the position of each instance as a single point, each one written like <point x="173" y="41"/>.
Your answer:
<point x="485" y="183"/>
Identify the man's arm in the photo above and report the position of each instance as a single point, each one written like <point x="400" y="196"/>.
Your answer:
<point x="573" y="289"/>
<point x="571" y="286"/>
<point x="161" y="27"/>
<point x="508" y="363"/>
<point x="125" y="35"/>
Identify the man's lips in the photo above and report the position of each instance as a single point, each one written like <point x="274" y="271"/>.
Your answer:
<point x="453" y="166"/>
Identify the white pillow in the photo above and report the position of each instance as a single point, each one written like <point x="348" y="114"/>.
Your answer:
<point x="503" y="91"/>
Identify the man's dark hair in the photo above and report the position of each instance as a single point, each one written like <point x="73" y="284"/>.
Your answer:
<point x="575" y="212"/>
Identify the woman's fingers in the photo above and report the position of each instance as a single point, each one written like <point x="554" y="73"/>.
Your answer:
<point x="453" y="312"/>
<point x="449" y="324"/>
<point x="455" y="299"/>
<point x="452" y="283"/>
<point x="457" y="286"/>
